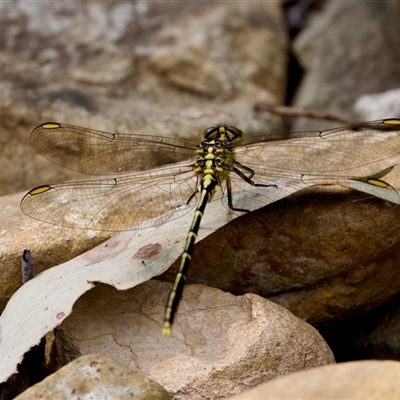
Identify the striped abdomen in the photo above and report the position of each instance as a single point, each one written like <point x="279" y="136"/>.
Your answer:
<point x="207" y="189"/>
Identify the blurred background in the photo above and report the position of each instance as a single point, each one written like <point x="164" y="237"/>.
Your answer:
<point x="175" y="68"/>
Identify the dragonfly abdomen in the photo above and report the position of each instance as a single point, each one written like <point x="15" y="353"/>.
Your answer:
<point x="208" y="186"/>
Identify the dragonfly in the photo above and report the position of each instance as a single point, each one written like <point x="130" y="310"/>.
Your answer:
<point x="157" y="179"/>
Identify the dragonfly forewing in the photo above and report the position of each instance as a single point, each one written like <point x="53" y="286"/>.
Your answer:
<point x="101" y="153"/>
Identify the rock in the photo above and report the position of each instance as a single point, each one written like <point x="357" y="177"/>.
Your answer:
<point x="370" y="336"/>
<point x="353" y="380"/>
<point x="222" y="53"/>
<point x="174" y="70"/>
<point x="377" y="337"/>
<point x="49" y="244"/>
<point x="381" y="105"/>
<point x="104" y="66"/>
<point x="96" y="376"/>
<point x="342" y="63"/>
<point x="221" y="344"/>
<point x="325" y="255"/>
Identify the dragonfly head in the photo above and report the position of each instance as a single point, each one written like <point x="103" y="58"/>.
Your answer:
<point x="224" y="133"/>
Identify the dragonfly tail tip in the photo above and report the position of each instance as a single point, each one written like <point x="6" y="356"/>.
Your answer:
<point x="166" y="330"/>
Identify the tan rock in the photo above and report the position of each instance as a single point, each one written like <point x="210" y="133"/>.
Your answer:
<point x="221" y="344"/>
<point x="323" y="255"/>
<point x="223" y="53"/>
<point x="352" y="380"/>
<point x="340" y="259"/>
<point x="100" y="68"/>
<point x="97" y="377"/>
<point x="49" y="244"/>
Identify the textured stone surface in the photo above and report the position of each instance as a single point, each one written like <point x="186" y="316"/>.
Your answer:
<point x="220" y="344"/>
<point x="348" y="49"/>
<point x="96" y="377"/>
<point x="102" y="65"/>
<point x="354" y="380"/>
<point x="324" y="255"/>
<point x="223" y="53"/>
<point x="50" y="245"/>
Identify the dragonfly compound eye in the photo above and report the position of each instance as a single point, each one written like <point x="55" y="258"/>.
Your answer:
<point x="234" y="131"/>
<point x="210" y="132"/>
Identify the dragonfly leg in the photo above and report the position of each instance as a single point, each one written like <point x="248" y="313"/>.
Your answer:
<point x="245" y="168"/>
<point x="248" y="178"/>
<point x="229" y="193"/>
<point x="191" y="196"/>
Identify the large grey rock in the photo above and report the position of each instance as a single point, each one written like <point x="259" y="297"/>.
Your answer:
<point x="349" y="49"/>
<point x="223" y="53"/>
<point x="380" y="105"/>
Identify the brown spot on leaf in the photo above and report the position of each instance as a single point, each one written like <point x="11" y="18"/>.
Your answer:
<point x="148" y="251"/>
<point x="60" y="315"/>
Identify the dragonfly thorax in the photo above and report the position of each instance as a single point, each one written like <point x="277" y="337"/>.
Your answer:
<point x="215" y="154"/>
<point x="213" y="159"/>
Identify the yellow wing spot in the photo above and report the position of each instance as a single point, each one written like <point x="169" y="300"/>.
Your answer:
<point x="51" y="125"/>
<point x="378" y="183"/>
<point x="39" y="190"/>
<point x="393" y="121"/>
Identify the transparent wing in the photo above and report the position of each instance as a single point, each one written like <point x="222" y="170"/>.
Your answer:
<point x="346" y="156"/>
<point x="102" y="153"/>
<point x="357" y="150"/>
<point x="131" y="201"/>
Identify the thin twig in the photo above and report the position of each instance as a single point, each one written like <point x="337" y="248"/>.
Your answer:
<point x="298" y="112"/>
